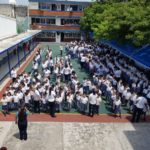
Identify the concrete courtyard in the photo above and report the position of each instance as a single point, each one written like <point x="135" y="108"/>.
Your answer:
<point x="77" y="136"/>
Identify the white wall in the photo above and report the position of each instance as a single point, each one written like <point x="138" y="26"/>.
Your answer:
<point x="58" y="21"/>
<point x="8" y="27"/>
<point x="18" y="2"/>
<point x="58" y="40"/>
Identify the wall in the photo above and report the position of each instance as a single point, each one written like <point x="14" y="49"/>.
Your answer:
<point x="8" y="27"/>
<point x="6" y="10"/>
<point x="18" y="2"/>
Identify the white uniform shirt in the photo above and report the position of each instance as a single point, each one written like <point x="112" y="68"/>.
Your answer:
<point x="92" y="99"/>
<point x="4" y="101"/>
<point x="16" y="98"/>
<point x="84" y="100"/>
<point x="27" y="98"/>
<point x="36" y="95"/>
<point x="51" y="97"/>
<point x="117" y="103"/>
<point x="14" y="74"/>
<point x="141" y="102"/>
<point x="98" y="100"/>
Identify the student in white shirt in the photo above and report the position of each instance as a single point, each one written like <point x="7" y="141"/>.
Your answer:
<point x="117" y="104"/>
<point x="69" y="100"/>
<point x="92" y="103"/>
<point x="27" y="99"/>
<point x="67" y="73"/>
<point x="139" y="107"/>
<point x="4" y="105"/>
<point x="51" y="64"/>
<point x="13" y="74"/>
<point x="44" y="102"/>
<point x="9" y="98"/>
<point x="47" y="73"/>
<point x="59" y="99"/>
<point x="133" y="101"/>
<point x="98" y="103"/>
<point x="51" y="101"/>
<point x="61" y="50"/>
<point x="16" y="100"/>
<point x="36" y="100"/>
<point x="127" y="97"/>
<point x="35" y="67"/>
<point x="84" y="103"/>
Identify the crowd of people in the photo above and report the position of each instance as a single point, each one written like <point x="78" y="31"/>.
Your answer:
<point x="120" y="80"/>
<point x="53" y="85"/>
<point x="36" y="91"/>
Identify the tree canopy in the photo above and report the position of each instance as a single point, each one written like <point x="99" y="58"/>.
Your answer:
<point x="123" y="21"/>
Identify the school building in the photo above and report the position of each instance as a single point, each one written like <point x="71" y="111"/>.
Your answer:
<point x="58" y="19"/>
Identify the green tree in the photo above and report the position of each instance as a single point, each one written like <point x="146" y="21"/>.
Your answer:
<point x="124" y="21"/>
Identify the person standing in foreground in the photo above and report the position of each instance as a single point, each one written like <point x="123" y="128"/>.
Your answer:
<point x="21" y="120"/>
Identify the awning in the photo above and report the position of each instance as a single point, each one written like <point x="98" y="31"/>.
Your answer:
<point x="13" y="41"/>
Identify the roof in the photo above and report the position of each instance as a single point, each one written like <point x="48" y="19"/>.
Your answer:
<point x="66" y="1"/>
<point x="13" y="41"/>
<point x="140" y="55"/>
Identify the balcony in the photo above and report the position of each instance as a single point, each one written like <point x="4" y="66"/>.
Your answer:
<point x="55" y="13"/>
<point x="53" y="27"/>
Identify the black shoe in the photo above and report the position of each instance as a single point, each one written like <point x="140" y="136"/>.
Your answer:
<point x="53" y="116"/>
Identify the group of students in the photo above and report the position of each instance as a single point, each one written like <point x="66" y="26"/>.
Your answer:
<point x="118" y="77"/>
<point x="51" y="86"/>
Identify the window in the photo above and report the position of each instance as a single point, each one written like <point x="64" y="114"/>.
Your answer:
<point x="33" y="20"/>
<point x="70" y="22"/>
<point x="62" y="7"/>
<point x="42" y="20"/>
<point x="80" y="7"/>
<point x="50" y="21"/>
<point x="53" y="21"/>
<point x="74" y="7"/>
<point x="37" y="20"/>
<point x="54" y="7"/>
<point x="43" y="6"/>
<point x="46" y="6"/>
<point x="72" y="35"/>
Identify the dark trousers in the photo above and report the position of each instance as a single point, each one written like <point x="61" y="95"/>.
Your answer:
<point x="91" y="110"/>
<point x="67" y="77"/>
<point x="61" y="52"/>
<point x="22" y="130"/>
<point x="52" y="108"/>
<point x="137" y="112"/>
<point x="36" y="106"/>
<point x="97" y="109"/>
<point x="13" y="80"/>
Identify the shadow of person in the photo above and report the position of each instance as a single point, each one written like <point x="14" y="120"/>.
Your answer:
<point x="16" y="135"/>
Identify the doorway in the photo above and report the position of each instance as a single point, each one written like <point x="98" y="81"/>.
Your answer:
<point x="62" y="37"/>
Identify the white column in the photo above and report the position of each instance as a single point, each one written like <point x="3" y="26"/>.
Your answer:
<point x="58" y="22"/>
<point x="58" y="37"/>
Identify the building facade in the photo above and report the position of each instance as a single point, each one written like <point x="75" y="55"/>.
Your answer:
<point x="58" y="19"/>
